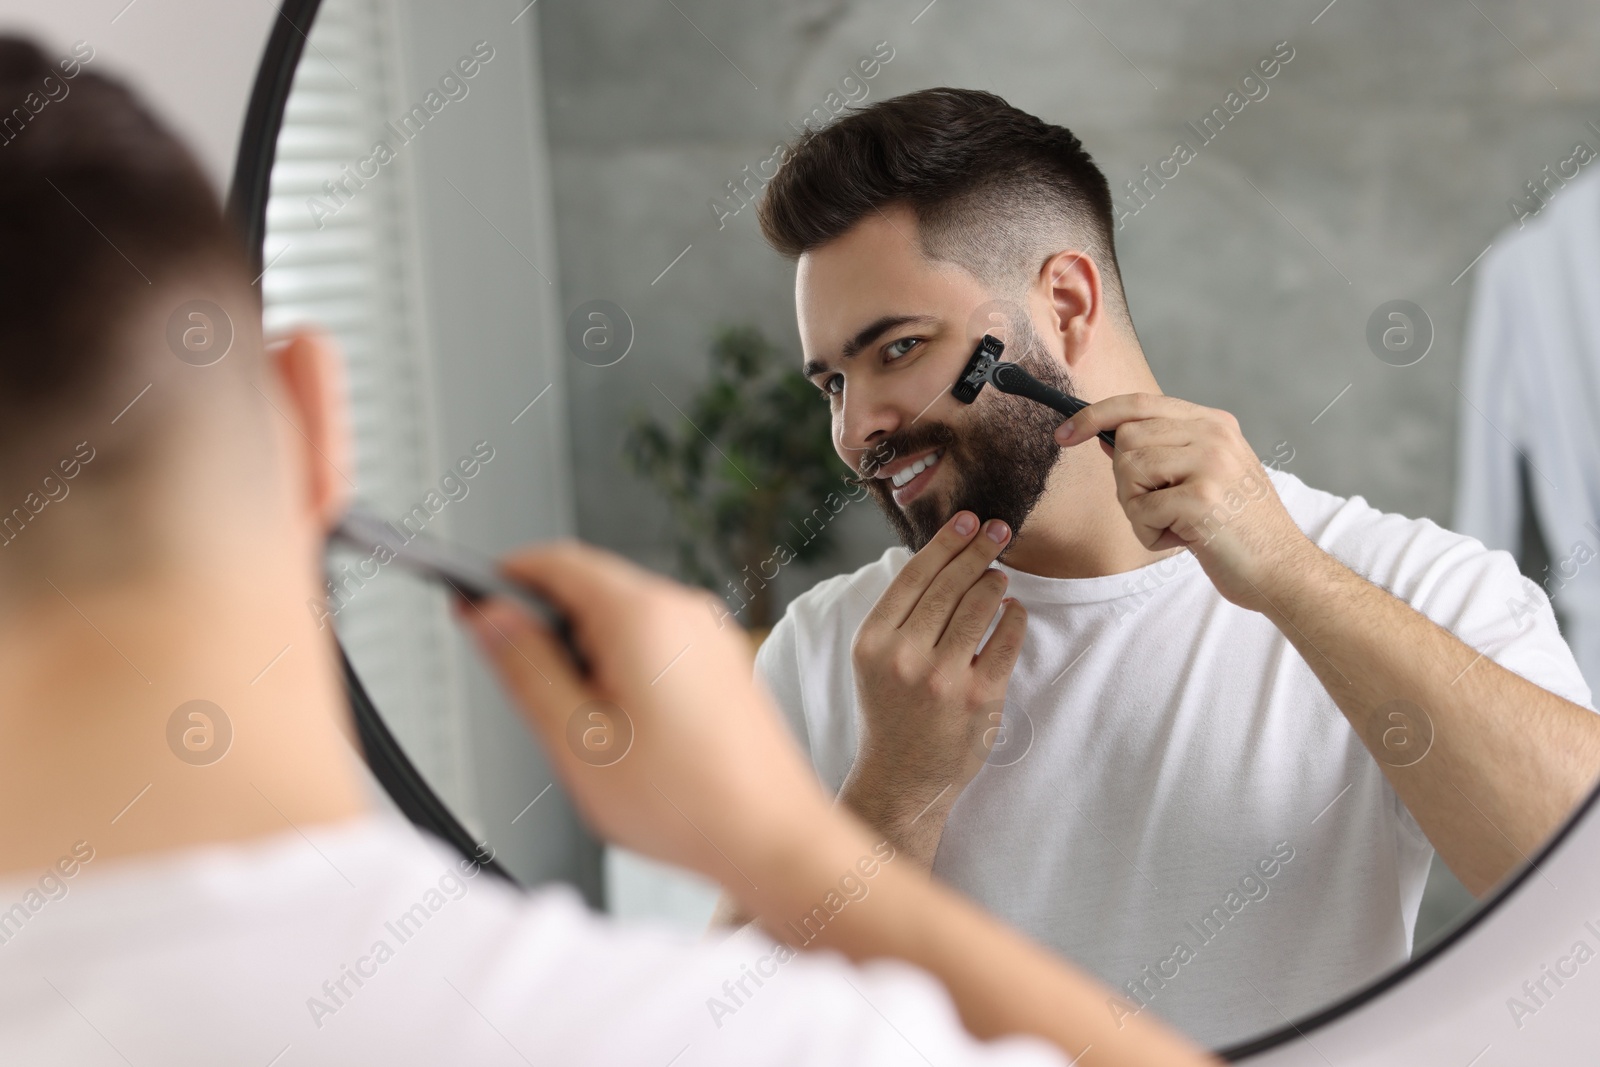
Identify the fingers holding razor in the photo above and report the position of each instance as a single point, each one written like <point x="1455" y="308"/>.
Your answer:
<point x="670" y="746"/>
<point x="1187" y="478"/>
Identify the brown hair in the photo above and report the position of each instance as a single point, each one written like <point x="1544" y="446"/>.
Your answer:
<point x="994" y="189"/>
<point x="102" y="210"/>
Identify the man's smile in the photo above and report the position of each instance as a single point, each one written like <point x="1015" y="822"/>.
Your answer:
<point x="911" y="476"/>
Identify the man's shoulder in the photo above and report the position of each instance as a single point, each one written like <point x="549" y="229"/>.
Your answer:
<point x="822" y="622"/>
<point x="849" y="596"/>
<point x="1476" y="592"/>
<point x="1368" y="539"/>
<point x="1451" y="577"/>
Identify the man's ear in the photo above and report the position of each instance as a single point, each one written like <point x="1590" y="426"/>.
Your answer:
<point x="308" y="368"/>
<point x="1071" y="281"/>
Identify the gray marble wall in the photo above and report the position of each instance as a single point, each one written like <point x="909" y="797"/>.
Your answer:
<point x="1377" y="166"/>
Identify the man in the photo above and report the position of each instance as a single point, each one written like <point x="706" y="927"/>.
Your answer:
<point x="1227" y="753"/>
<point x="190" y="869"/>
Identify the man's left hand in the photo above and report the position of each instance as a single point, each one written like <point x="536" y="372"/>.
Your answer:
<point x="1187" y="478"/>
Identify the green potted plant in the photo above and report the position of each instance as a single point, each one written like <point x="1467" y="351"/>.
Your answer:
<point x="747" y="467"/>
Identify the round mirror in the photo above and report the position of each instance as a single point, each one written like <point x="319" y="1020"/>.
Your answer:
<point x="533" y="231"/>
<point x="407" y="218"/>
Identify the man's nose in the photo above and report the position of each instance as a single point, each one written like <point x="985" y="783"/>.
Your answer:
<point x="864" y="423"/>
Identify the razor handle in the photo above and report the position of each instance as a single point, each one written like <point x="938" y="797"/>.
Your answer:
<point x="1010" y="378"/>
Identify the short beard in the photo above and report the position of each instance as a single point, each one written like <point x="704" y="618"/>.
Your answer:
<point x="1000" y="460"/>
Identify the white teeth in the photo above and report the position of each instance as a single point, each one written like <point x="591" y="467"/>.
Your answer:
<point x="916" y="468"/>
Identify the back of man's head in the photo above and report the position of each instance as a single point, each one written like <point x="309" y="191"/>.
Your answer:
<point x="120" y="282"/>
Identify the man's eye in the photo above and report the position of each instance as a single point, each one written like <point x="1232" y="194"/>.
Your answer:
<point x="891" y="348"/>
<point x="827" y="387"/>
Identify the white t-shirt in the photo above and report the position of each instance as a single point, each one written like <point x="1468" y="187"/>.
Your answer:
<point x="1178" y="805"/>
<point x="363" y="942"/>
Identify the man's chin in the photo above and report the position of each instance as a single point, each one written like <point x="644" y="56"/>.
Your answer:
<point x="917" y="522"/>
<point x="927" y="513"/>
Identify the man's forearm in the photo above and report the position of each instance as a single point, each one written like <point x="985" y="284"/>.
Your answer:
<point x="1000" y="982"/>
<point x="1487" y="762"/>
<point x="911" y="825"/>
<point x="910" y="817"/>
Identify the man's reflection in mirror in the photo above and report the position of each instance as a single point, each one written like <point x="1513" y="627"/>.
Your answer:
<point x="1172" y="711"/>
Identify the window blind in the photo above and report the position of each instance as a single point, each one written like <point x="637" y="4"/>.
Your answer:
<point x="341" y="254"/>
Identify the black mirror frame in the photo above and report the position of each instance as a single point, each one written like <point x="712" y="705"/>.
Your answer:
<point x="247" y="204"/>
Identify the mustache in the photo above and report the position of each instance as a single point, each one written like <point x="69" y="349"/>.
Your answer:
<point x="880" y="455"/>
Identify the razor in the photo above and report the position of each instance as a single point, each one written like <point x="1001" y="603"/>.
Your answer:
<point x="472" y="577"/>
<point x="985" y="368"/>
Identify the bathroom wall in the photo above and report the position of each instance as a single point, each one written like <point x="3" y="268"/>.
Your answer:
<point x="1377" y="166"/>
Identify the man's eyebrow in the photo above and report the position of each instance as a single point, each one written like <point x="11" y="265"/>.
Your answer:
<point x="865" y="336"/>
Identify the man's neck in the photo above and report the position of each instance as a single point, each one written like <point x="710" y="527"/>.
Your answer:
<point x="1079" y="529"/>
<point x="94" y="673"/>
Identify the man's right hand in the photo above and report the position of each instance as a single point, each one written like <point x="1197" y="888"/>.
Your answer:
<point x="669" y="747"/>
<point x="930" y="704"/>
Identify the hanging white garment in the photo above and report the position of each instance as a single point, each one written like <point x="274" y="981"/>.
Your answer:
<point x="1531" y="395"/>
